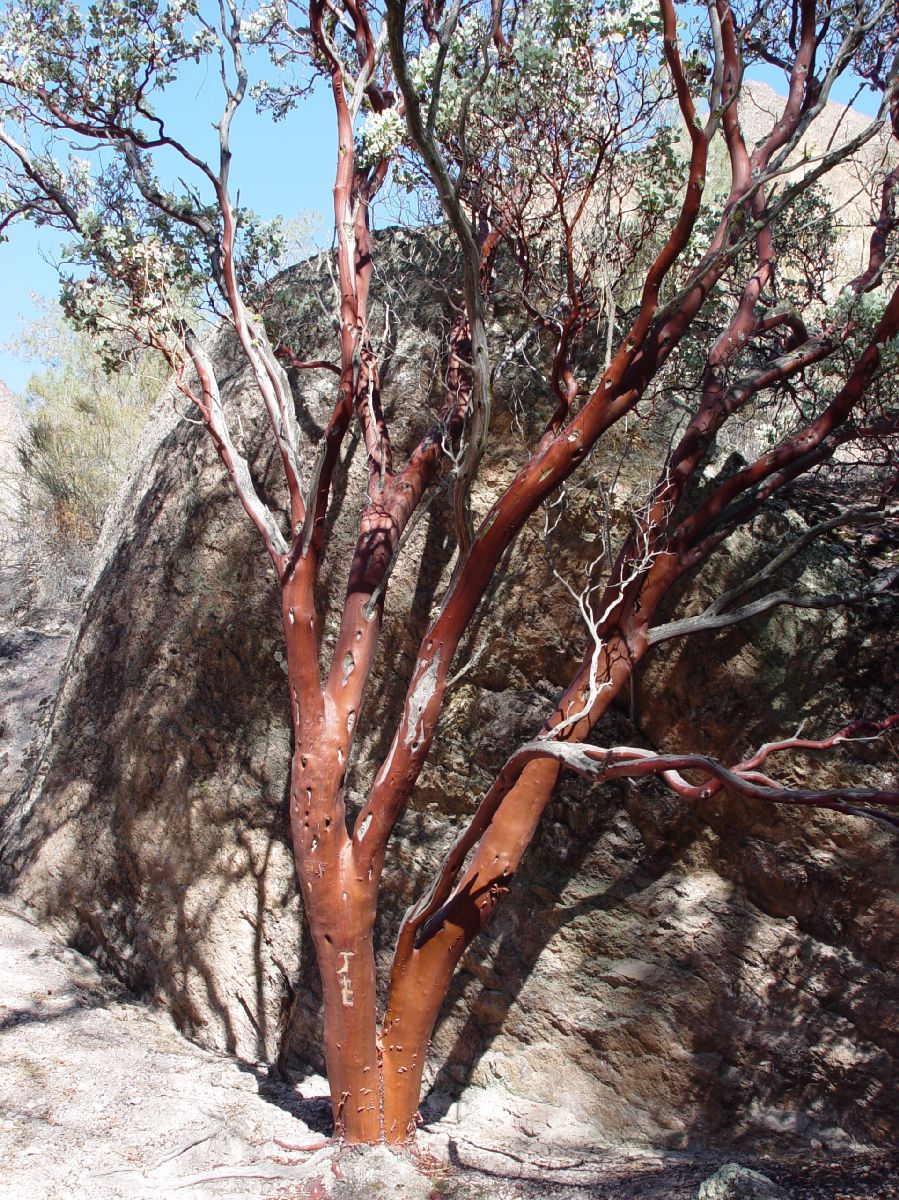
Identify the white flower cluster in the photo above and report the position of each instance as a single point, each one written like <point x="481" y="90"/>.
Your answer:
<point x="380" y="136"/>
<point x="632" y="20"/>
<point x="203" y="41"/>
<point x="555" y="69"/>
<point x="259" y="24"/>
<point x="460" y="70"/>
<point x="79" y="185"/>
<point x="20" y="44"/>
<point x="180" y="10"/>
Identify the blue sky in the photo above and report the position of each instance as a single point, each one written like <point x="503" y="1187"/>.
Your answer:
<point x="279" y="169"/>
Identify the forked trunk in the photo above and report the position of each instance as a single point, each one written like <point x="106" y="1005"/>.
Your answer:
<point x="374" y="1090"/>
<point x="374" y="1095"/>
<point x="375" y="1081"/>
<point x="340" y="902"/>
<point x="422" y="972"/>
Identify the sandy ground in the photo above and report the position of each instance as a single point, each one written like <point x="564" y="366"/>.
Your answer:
<point x="102" y="1098"/>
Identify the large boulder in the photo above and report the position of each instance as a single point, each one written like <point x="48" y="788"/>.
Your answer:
<point x="733" y="1182"/>
<point x="658" y="973"/>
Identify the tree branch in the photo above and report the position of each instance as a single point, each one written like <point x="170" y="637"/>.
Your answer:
<point x="601" y="764"/>
<point x="710" y="619"/>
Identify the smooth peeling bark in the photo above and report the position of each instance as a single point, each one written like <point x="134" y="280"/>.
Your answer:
<point x="421" y="976"/>
<point x="341" y="914"/>
<point x="339" y="901"/>
<point x="422" y="973"/>
<point x="340" y="907"/>
<point x="339" y="894"/>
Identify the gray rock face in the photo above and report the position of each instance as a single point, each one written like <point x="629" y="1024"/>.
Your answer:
<point x="659" y="973"/>
<point x="31" y="665"/>
<point x="733" y="1182"/>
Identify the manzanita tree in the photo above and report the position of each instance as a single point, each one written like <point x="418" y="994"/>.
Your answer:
<point x="595" y="155"/>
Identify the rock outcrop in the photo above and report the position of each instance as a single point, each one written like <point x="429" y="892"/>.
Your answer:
<point x="659" y="973"/>
<point x="733" y="1182"/>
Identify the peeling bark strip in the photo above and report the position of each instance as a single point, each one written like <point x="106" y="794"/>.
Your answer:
<point x="552" y="196"/>
<point x="423" y="691"/>
<point x="346" y="987"/>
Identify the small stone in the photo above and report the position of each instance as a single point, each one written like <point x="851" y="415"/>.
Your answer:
<point x="733" y="1182"/>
